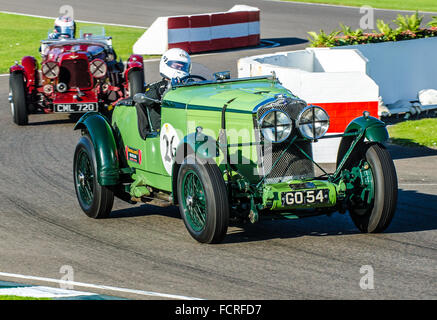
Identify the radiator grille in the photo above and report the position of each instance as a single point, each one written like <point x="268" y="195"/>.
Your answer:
<point x="293" y="164"/>
<point x="74" y="73"/>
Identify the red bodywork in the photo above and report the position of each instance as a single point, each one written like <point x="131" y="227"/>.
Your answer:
<point x="69" y="79"/>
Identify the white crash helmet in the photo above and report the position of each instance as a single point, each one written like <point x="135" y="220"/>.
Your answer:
<point x="65" y="27"/>
<point x="175" y="63"/>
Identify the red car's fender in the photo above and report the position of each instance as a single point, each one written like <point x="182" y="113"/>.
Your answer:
<point x="28" y="68"/>
<point x="135" y="61"/>
<point x="16" y="68"/>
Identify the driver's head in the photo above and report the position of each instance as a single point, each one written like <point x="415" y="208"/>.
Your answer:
<point x="65" y="27"/>
<point x="175" y="63"/>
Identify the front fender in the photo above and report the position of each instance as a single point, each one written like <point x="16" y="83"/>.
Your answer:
<point x="16" y="68"/>
<point x="105" y="147"/>
<point x="375" y="129"/>
<point x="135" y="62"/>
<point x="370" y="128"/>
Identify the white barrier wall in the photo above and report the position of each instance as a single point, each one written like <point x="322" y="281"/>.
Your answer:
<point x="238" y="27"/>
<point x="402" y="68"/>
<point x="334" y="80"/>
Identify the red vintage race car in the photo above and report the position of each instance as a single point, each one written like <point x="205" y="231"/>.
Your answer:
<point x="76" y="76"/>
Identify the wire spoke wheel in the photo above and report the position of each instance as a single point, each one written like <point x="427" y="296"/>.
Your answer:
<point x="194" y="204"/>
<point x="84" y="178"/>
<point x="203" y="199"/>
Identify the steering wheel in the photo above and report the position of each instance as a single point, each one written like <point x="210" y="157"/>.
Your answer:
<point x="191" y="78"/>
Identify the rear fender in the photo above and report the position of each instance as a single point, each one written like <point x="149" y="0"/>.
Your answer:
<point x="105" y="147"/>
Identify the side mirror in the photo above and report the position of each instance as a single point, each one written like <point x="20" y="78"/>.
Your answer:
<point x="142" y="98"/>
<point x="222" y="75"/>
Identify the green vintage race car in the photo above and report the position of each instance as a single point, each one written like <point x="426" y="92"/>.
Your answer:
<point x="232" y="149"/>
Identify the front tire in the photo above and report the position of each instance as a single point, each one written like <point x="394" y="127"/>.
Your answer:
<point x="95" y="200"/>
<point x="203" y="200"/>
<point x="17" y="93"/>
<point x="376" y="216"/>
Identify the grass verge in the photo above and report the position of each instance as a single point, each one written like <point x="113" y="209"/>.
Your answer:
<point x="21" y="35"/>
<point x="413" y="5"/>
<point x="415" y="133"/>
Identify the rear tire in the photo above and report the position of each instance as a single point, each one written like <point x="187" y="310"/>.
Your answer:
<point x="136" y="82"/>
<point x="377" y="216"/>
<point x="95" y="200"/>
<point x="203" y="200"/>
<point x="17" y="91"/>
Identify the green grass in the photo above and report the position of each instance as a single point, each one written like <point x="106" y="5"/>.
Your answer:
<point x="20" y="36"/>
<point x="415" y="133"/>
<point x="21" y="298"/>
<point x="421" y="5"/>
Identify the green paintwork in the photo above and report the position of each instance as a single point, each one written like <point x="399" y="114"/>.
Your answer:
<point x="203" y="146"/>
<point x="376" y="130"/>
<point x="105" y="147"/>
<point x="186" y="108"/>
<point x="151" y="168"/>
<point x="138" y="188"/>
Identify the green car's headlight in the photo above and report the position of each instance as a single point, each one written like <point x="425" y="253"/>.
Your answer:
<point x="276" y="126"/>
<point x="313" y="122"/>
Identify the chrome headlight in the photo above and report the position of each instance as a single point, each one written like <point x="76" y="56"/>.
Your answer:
<point x="98" y="68"/>
<point x="50" y="69"/>
<point x="313" y="122"/>
<point x="276" y="126"/>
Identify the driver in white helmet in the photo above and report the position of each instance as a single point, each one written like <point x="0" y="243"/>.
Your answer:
<point x="65" y="28"/>
<point x="175" y="64"/>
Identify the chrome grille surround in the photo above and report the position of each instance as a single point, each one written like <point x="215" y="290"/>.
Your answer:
<point x="293" y="165"/>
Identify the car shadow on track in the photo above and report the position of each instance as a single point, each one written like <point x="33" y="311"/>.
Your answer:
<point x="45" y="120"/>
<point x="400" y="152"/>
<point x="415" y="212"/>
<point x="146" y="210"/>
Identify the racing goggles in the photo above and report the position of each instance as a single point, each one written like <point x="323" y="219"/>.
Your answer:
<point x="179" y="65"/>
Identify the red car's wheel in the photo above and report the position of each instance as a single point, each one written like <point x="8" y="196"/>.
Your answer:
<point x="136" y="82"/>
<point x="17" y="98"/>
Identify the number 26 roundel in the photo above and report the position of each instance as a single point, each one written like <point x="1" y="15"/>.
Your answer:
<point x="169" y="141"/>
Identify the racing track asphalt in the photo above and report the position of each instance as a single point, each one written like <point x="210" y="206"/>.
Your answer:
<point x="141" y="247"/>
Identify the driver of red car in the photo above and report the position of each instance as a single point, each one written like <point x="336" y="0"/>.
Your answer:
<point x="64" y="28"/>
<point x="175" y="64"/>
